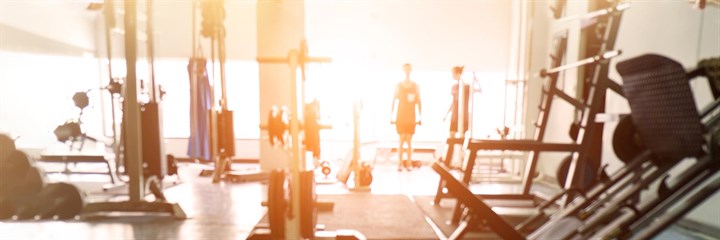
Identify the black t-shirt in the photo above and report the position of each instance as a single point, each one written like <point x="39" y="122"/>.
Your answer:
<point x="466" y="98"/>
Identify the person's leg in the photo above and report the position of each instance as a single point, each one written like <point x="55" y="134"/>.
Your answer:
<point x="408" y="150"/>
<point x="408" y="164"/>
<point x="400" y="151"/>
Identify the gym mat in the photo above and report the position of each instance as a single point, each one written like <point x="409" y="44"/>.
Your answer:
<point x="375" y="216"/>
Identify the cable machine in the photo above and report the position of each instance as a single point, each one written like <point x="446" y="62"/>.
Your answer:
<point x="143" y="143"/>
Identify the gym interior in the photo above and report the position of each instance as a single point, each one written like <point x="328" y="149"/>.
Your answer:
<point x="309" y="119"/>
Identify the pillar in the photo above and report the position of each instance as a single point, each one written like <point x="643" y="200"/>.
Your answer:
<point x="280" y="27"/>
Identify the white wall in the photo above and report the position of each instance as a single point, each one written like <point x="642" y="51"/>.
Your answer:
<point x="432" y="35"/>
<point x="62" y="21"/>
<point x="46" y="55"/>
<point x="670" y="28"/>
<point x="173" y="29"/>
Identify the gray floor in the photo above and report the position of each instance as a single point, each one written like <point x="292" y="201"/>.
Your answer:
<point x="216" y="211"/>
<point x="230" y="211"/>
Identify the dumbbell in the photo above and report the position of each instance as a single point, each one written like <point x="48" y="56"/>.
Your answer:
<point x="7" y="146"/>
<point x="416" y="163"/>
<point x="325" y="168"/>
<point x="55" y="201"/>
<point x="366" y="176"/>
<point x="20" y="182"/>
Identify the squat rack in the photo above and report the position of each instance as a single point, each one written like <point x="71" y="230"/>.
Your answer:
<point x="589" y="136"/>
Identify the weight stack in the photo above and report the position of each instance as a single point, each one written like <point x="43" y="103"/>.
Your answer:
<point x="277" y="204"/>
<point x="308" y="198"/>
<point x="154" y="158"/>
<point x="226" y="133"/>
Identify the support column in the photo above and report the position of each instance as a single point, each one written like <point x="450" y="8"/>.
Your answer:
<point x="133" y="146"/>
<point x="280" y="27"/>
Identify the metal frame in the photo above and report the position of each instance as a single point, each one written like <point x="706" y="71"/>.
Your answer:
<point x="536" y="146"/>
<point x="598" y="87"/>
<point x="615" y="217"/>
<point x="133" y="145"/>
<point x="67" y="159"/>
<point x="588" y="135"/>
<point x="541" y="123"/>
<point x="666" y="220"/>
<point x="295" y="59"/>
<point x="647" y="211"/>
<point x="613" y="193"/>
<point x="478" y="208"/>
<point x="668" y="195"/>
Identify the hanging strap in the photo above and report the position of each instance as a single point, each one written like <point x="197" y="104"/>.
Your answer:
<point x="199" y="52"/>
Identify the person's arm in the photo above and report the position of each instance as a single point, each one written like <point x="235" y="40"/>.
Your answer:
<point x="419" y="104"/>
<point x="452" y="102"/>
<point x="447" y="114"/>
<point x="392" y="108"/>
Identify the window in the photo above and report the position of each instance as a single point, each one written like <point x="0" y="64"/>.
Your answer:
<point x="36" y="96"/>
<point x="242" y="91"/>
<point x="337" y="91"/>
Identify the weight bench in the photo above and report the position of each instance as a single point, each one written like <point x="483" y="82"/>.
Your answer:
<point x="479" y="211"/>
<point x="475" y="145"/>
<point x="67" y="159"/>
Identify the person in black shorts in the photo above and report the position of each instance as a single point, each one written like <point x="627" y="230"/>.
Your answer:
<point x="409" y="108"/>
<point x="457" y="73"/>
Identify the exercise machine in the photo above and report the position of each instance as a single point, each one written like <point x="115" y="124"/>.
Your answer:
<point x="362" y="171"/>
<point x="292" y="209"/>
<point x="222" y="134"/>
<point x="693" y="135"/>
<point x="582" y="167"/>
<point x="611" y="209"/>
<point x="139" y="149"/>
<point x="584" y="163"/>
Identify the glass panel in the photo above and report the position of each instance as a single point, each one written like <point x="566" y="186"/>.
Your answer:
<point x="36" y="96"/>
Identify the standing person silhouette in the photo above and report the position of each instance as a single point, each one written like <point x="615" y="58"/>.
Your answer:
<point x="405" y="101"/>
<point x="455" y="126"/>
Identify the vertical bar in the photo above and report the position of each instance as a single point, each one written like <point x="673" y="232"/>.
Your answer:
<point x="467" y="175"/>
<point x="297" y="156"/>
<point x="683" y="208"/>
<point x="214" y="118"/>
<point x="439" y="195"/>
<point x="133" y="145"/>
<point x="194" y="29"/>
<point x="151" y="51"/>
<point x="547" y="96"/>
<point x="543" y="116"/>
<point x="109" y="12"/>
<point x="356" y="133"/>
<point x="220" y="38"/>
<point x="461" y="108"/>
<point x="193" y="71"/>
<point x="596" y="93"/>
